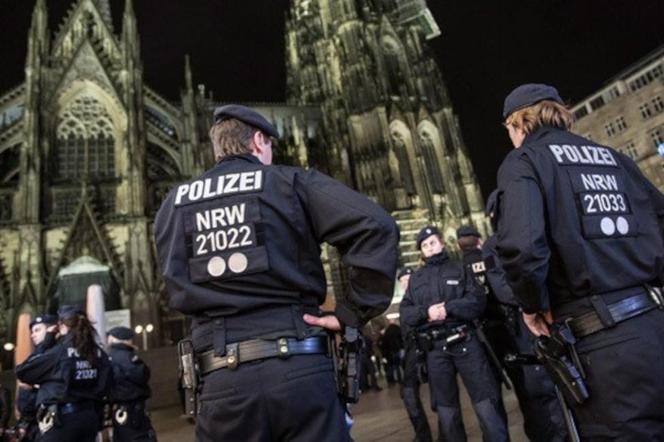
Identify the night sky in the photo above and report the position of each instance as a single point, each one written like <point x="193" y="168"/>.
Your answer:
<point x="487" y="47"/>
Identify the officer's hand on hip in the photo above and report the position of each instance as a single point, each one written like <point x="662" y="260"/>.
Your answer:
<point x="329" y="322"/>
<point x="538" y="323"/>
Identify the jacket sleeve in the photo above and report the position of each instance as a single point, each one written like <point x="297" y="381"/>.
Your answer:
<point x="410" y="313"/>
<point x="366" y="237"/>
<point x="522" y="244"/>
<point x="473" y="302"/>
<point x="656" y="197"/>
<point x="495" y="274"/>
<point x="38" y="367"/>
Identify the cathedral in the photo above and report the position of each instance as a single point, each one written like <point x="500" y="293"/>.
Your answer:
<point x="88" y="150"/>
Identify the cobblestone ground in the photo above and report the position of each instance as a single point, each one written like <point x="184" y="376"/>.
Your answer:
<point x="379" y="416"/>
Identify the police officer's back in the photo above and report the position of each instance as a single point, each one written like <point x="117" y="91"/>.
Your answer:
<point x="130" y="389"/>
<point x="239" y="249"/>
<point x="73" y="377"/>
<point x="579" y="239"/>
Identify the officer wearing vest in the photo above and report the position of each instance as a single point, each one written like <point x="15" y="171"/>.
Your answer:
<point x="130" y="389"/>
<point x="410" y="390"/>
<point x="542" y="416"/>
<point x="441" y="302"/>
<point x="239" y="249"/>
<point x="42" y="334"/>
<point x="580" y="241"/>
<point x="74" y="376"/>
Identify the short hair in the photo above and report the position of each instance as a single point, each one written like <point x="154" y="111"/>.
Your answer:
<point x="468" y="242"/>
<point x="231" y="137"/>
<point x="543" y="113"/>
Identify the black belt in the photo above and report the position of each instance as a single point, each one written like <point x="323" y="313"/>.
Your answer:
<point x="257" y="349"/>
<point x="627" y="308"/>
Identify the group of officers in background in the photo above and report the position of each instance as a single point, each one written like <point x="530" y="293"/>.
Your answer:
<point x="71" y="389"/>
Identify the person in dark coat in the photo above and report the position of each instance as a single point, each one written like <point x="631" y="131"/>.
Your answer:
<point x="580" y="239"/>
<point x="130" y="389"/>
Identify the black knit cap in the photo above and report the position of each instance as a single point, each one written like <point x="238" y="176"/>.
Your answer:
<point x="425" y="233"/>
<point x="123" y="333"/>
<point x="44" y="319"/>
<point x="246" y="115"/>
<point x="527" y="95"/>
<point x="68" y="311"/>
<point x="468" y="230"/>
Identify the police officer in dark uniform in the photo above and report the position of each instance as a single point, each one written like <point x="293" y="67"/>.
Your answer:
<point x="130" y="389"/>
<point x="580" y="241"/>
<point x="73" y="377"/>
<point x="442" y="301"/>
<point x="410" y="391"/>
<point x="42" y="334"/>
<point x="239" y="249"/>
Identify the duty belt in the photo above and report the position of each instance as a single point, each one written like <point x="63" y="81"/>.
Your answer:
<point x="257" y="349"/>
<point x="607" y="316"/>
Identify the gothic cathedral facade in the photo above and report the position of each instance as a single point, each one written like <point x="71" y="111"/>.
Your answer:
<point x="88" y="151"/>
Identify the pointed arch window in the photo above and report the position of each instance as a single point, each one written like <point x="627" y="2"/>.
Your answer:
<point x="85" y="141"/>
<point x="393" y="65"/>
<point x="404" y="164"/>
<point x="431" y="161"/>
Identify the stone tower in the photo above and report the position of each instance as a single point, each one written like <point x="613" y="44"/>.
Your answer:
<point x="88" y="151"/>
<point x="388" y="122"/>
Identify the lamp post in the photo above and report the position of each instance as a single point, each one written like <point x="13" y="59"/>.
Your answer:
<point x="144" y="330"/>
<point x="8" y="347"/>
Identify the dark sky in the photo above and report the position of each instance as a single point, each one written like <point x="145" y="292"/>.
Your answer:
<point x="487" y="47"/>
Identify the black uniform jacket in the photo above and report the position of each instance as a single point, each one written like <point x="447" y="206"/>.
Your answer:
<point x="495" y="274"/>
<point x="245" y="236"/>
<point x="442" y="280"/>
<point x="63" y="376"/>
<point x="26" y="399"/>
<point x="576" y="218"/>
<point x="130" y="375"/>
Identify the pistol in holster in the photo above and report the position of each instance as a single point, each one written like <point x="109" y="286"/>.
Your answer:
<point x="558" y="355"/>
<point x="347" y="356"/>
<point x="188" y="370"/>
<point x="48" y="417"/>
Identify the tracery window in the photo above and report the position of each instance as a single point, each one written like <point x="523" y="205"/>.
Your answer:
<point x="85" y="141"/>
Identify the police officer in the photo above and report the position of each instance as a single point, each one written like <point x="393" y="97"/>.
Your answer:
<point x="410" y="391"/>
<point x="130" y="389"/>
<point x="542" y="416"/>
<point x="239" y="249"/>
<point x="74" y="376"/>
<point x="42" y="334"/>
<point x="580" y="242"/>
<point x="442" y="300"/>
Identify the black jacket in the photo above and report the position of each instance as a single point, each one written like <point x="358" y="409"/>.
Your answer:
<point x="576" y="219"/>
<point x="130" y="375"/>
<point x="245" y="237"/>
<point x="442" y="280"/>
<point x="63" y="376"/>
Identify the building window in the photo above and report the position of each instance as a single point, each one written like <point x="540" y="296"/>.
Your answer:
<point x="657" y="104"/>
<point x="614" y="92"/>
<point x="657" y="136"/>
<point x="610" y="129"/>
<point x="581" y="112"/>
<point x="431" y="162"/>
<point x="646" y="78"/>
<point x="620" y="124"/>
<point x="645" y="110"/>
<point x="597" y="102"/>
<point x="630" y="150"/>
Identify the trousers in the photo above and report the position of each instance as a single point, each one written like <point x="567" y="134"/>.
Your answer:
<point x="293" y="399"/>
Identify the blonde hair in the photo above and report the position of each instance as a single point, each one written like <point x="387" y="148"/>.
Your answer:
<point x="231" y="137"/>
<point x="544" y="113"/>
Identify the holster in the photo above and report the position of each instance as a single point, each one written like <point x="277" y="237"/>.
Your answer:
<point x="48" y="417"/>
<point x="559" y="357"/>
<point x="189" y="374"/>
<point x="347" y="356"/>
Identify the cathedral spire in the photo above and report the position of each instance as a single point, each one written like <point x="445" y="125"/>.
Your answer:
<point x="187" y="73"/>
<point x="104" y="9"/>
<point x="129" y="30"/>
<point x="38" y="37"/>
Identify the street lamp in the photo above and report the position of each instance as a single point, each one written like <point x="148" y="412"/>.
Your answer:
<point x="8" y="347"/>
<point x="144" y="330"/>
